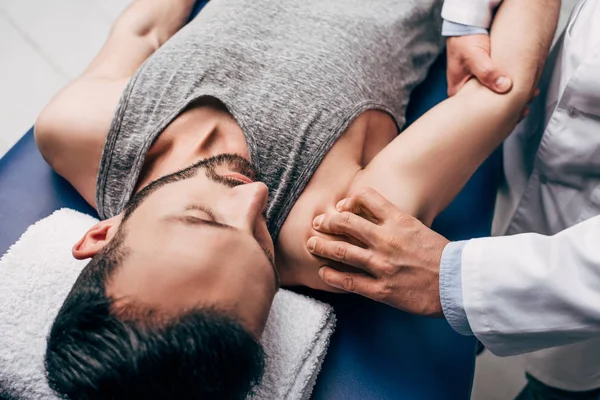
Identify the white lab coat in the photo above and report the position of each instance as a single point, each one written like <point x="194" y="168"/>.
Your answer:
<point x="528" y="291"/>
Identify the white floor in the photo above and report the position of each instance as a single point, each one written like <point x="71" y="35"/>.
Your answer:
<point x="43" y="45"/>
<point x="46" y="43"/>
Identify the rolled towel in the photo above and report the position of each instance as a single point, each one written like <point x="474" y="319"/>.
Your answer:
<point x="38" y="271"/>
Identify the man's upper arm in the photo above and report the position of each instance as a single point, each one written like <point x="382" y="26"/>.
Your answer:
<point x="424" y="168"/>
<point x="72" y="128"/>
<point x="131" y="41"/>
<point x="138" y="32"/>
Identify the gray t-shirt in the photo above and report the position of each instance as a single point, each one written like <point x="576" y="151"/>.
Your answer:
<point x="293" y="73"/>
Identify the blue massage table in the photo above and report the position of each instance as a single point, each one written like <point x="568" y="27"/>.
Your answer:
<point x="376" y="352"/>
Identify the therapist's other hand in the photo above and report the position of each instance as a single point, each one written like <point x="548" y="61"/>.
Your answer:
<point x="399" y="257"/>
<point x="469" y="56"/>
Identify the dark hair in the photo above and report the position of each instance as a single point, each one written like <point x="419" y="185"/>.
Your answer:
<point x="97" y="350"/>
<point x="8" y="390"/>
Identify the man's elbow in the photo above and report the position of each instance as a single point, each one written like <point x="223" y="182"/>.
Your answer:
<point x="48" y="137"/>
<point x="507" y="107"/>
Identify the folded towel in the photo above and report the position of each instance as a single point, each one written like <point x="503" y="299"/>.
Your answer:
<point x="38" y="271"/>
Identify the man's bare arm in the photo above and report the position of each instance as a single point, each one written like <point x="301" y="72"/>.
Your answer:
<point x="138" y="32"/>
<point x="72" y="128"/>
<point x="424" y="168"/>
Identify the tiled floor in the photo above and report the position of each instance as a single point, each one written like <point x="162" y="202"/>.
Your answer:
<point x="44" y="44"/>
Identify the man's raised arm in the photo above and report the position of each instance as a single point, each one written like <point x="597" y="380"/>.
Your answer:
<point x="424" y="168"/>
<point x="138" y="32"/>
<point x="71" y="130"/>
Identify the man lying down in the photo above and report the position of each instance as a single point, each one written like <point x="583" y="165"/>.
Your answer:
<point x="208" y="151"/>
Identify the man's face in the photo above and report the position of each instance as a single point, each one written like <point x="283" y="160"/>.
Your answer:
<point x="199" y="238"/>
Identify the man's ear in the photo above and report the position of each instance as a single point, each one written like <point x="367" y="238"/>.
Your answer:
<point x="96" y="238"/>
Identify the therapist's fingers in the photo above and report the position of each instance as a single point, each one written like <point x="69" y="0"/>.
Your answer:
<point x="469" y="56"/>
<point x="369" y="203"/>
<point x="342" y="252"/>
<point x="486" y="71"/>
<point x="361" y="284"/>
<point x="346" y="223"/>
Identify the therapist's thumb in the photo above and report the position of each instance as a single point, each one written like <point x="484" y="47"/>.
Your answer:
<point x="485" y="70"/>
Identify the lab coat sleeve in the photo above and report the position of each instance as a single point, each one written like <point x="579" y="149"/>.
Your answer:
<point x="526" y="292"/>
<point x="450" y="28"/>
<point x="451" y="288"/>
<point x="470" y="12"/>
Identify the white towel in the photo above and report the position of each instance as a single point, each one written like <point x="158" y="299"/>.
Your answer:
<point x="38" y="271"/>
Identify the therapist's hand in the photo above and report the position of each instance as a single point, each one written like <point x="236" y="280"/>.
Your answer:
<point x="468" y="57"/>
<point x="399" y="257"/>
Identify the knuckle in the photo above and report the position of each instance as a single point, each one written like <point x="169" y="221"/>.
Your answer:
<point x="486" y="72"/>
<point x="398" y="218"/>
<point x="370" y="232"/>
<point x="384" y="292"/>
<point x="387" y="268"/>
<point x="344" y="219"/>
<point x="340" y="252"/>
<point x="348" y="284"/>
<point x="393" y="241"/>
<point x="402" y="217"/>
<point x="368" y="259"/>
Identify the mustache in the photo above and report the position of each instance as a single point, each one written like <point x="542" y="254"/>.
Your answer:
<point x="234" y="162"/>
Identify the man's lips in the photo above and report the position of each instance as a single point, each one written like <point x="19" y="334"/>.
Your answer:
<point x="239" y="177"/>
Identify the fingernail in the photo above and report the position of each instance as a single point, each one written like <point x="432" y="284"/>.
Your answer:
<point x="340" y="204"/>
<point x="321" y="272"/>
<point x="318" y="220"/>
<point x="312" y="242"/>
<point x="503" y="83"/>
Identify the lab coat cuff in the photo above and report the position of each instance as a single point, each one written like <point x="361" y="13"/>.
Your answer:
<point x="468" y="12"/>
<point x="451" y="288"/>
<point x="450" y="28"/>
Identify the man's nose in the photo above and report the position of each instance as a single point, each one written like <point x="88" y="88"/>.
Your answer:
<point x="250" y="202"/>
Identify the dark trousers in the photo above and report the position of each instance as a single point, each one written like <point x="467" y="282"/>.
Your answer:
<point x="536" y="390"/>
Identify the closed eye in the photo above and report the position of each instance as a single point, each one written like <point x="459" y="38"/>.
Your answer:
<point x="204" y="209"/>
<point x="194" y="220"/>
